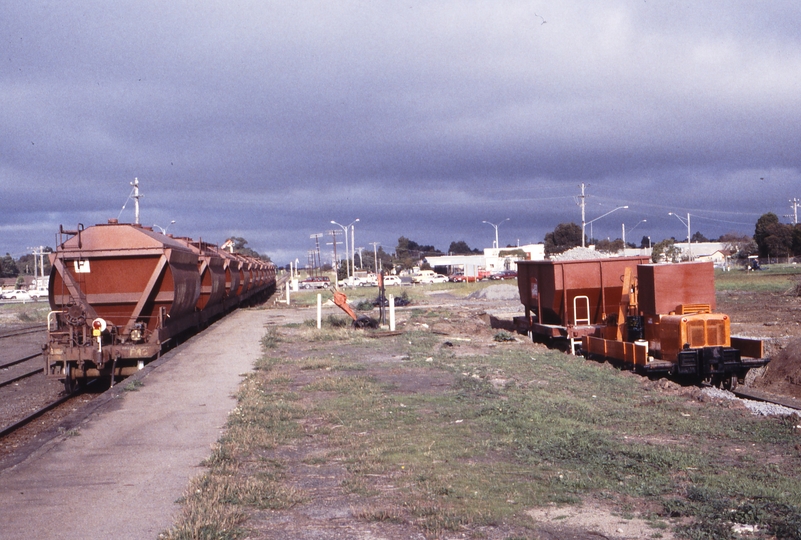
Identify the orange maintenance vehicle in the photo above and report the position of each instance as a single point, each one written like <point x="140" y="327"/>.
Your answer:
<point x="656" y="318"/>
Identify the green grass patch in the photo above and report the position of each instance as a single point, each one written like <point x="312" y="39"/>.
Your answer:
<point x="776" y="279"/>
<point x="449" y="445"/>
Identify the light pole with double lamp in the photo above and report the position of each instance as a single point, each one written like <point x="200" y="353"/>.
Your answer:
<point x="347" y="250"/>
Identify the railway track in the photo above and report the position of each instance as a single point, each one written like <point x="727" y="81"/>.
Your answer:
<point x="23" y="331"/>
<point x="23" y="375"/>
<point x="36" y="414"/>
<point x="757" y="395"/>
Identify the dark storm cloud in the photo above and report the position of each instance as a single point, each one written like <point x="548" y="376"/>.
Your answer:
<point x="267" y="120"/>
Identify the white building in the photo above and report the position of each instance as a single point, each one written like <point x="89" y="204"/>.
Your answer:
<point x="493" y="260"/>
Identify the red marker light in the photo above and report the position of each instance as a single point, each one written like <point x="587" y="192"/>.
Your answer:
<point x="99" y="324"/>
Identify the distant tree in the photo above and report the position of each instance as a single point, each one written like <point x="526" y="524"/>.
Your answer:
<point x="698" y="237"/>
<point x="797" y="240"/>
<point x="609" y="246"/>
<point x="8" y="268"/>
<point x="645" y="242"/>
<point x="563" y="237"/>
<point x="384" y="259"/>
<point x="342" y="270"/>
<point x="461" y="248"/>
<point x="409" y="252"/>
<point x="27" y="263"/>
<point x="240" y="246"/>
<point x="761" y="231"/>
<point x="667" y="249"/>
<point x="779" y="241"/>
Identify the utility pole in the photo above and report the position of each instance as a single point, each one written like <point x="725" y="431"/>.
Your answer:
<point x="135" y="185"/>
<point x="334" y="233"/>
<point x="317" y="261"/>
<point x="38" y="263"/>
<point x="582" y="203"/>
<point x="794" y="202"/>
<point x="375" y="255"/>
<point x="360" y="257"/>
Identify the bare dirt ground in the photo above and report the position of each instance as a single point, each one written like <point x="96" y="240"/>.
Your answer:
<point x="777" y="318"/>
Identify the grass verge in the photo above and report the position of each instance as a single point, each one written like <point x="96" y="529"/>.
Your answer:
<point x="445" y="444"/>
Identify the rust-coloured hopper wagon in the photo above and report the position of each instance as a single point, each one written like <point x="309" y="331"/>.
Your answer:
<point x="211" y="267"/>
<point x="231" y="269"/>
<point x="118" y="292"/>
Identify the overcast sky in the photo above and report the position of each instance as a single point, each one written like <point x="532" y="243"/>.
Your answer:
<point x="267" y="120"/>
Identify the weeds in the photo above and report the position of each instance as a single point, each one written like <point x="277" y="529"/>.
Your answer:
<point x="503" y="336"/>
<point x="133" y="386"/>
<point x="271" y="338"/>
<point x="364" y="305"/>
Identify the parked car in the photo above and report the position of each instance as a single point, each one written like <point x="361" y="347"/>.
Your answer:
<point x="428" y="276"/>
<point x="461" y="278"/>
<point x="37" y="293"/>
<point x="504" y="274"/>
<point x="315" y="282"/>
<point x="352" y="281"/>
<point x="17" y="294"/>
<point x="392" y="280"/>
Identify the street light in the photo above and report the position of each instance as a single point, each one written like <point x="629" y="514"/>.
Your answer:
<point x="624" y="231"/>
<point x="164" y="229"/>
<point x="347" y="250"/>
<point x="584" y="224"/>
<point x="689" y="242"/>
<point x="496" y="231"/>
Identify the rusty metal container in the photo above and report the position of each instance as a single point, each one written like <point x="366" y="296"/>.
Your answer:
<point x="211" y="268"/>
<point x="573" y="293"/>
<point x="663" y="288"/>
<point x="125" y="274"/>
<point x="245" y="275"/>
<point x="231" y="269"/>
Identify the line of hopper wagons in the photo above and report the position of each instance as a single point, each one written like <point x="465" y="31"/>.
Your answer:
<point x="121" y="293"/>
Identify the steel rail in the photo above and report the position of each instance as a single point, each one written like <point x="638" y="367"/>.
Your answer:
<point x="757" y="395"/>
<point x="29" y="330"/>
<point x="21" y="360"/>
<point x="36" y="414"/>
<point x="37" y="371"/>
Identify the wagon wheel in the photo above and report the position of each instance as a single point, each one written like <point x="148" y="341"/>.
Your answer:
<point x="70" y="384"/>
<point x="730" y="383"/>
